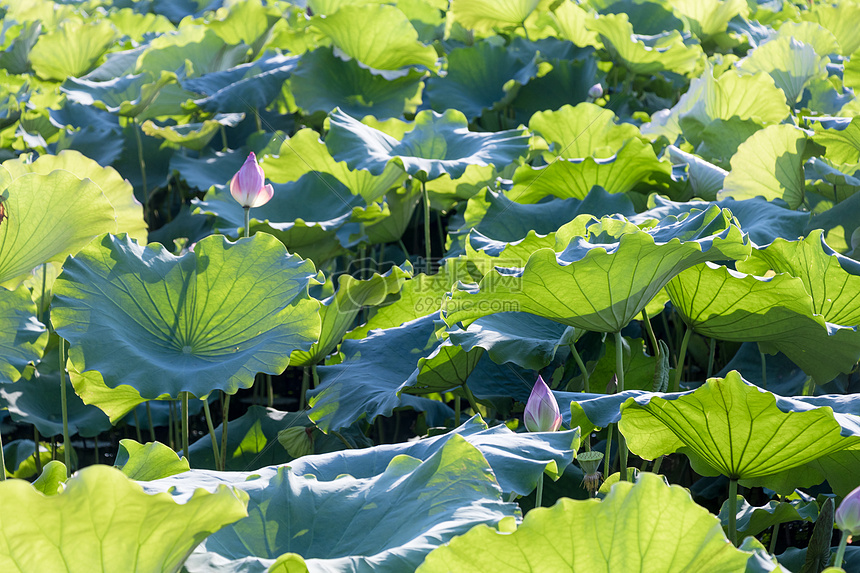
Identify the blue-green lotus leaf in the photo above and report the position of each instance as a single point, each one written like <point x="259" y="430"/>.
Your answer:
<point x="827" y="179"/>
<point x="210" y="319"/>
<point x="841" y="138"/>
<point x="386" y="521"/>
<point x="209" y="168"/>
<point x="128" y="95"/>
<point x="567" y="83"/>
<point x="436" y="144"/>
<point x="22" y="336"/>
<point x="193" y="50"/>
<point x="704" y="179"/>
<point x="752" y="520"/>
<point x="16" y="57"/>
<point x="479" y="78"/>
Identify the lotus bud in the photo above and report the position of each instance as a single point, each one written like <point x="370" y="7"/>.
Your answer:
<point x="542" y="413"/>
<point x="595" y="91"/>
<point x="590" y="462"/>
<point x="247" y="185"/>
<point x="298" y="440"/>
<point x="848" y="514"/>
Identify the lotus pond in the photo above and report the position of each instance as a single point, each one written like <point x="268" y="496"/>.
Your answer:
<point x="419" y="285"/>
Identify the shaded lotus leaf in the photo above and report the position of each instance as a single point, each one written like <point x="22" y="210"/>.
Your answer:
<point x="20" y="459"/>
<point x="484" y="15"/>
<point x="838" y="19"/>
<point x="386" y="521"/>
<point x="639" y="367"/>
<point x="22" y="336"/>
<point x="400" y="203"/>
<point x="445" y="192"/>
<point x="128" y="95"/>
<point x="210" y="319"/>
<point x="769" y="164"/>
<point x="16" y="57"/>
<point x="776" y="312"/>
<point x="445" y="369"/>
<point x="840" y="136"/>
<point x="194" y="49"/>
<point x="323" y="82"/>
<point x="630" y="265"/>
<point x="304" y="152"/>
<point x="634" y="528"/>
<point x="646" y="54"/>
<point x="147" y="462"/>
<point x="567" y="83"/>
<point x="827" y="180"/>
<point x="437" y="144"/>
<point x="710" y="17"/>
<point x="480" y="77"/>
<point x="71" y="48"/>
<point x="117" y="525"/>
<point x="782" y="376"/>
<point x="47" y="218"/>
<point x="368" y="382"/>
<point x="379" y="36"/>
<point x="791" y="63"/>
<point x="210" y="168"/>
<point x="839" y="223"/>
<point x="753" y="520"/>
<point x="705" y="179"/>
<point x="574" y="178"/>
<point x="732" y="428"/>
<point x="338" y="312"/>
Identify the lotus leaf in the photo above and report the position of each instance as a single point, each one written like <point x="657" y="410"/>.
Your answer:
<point x="841" y="137"/>
<point x="791" y="63"/>
<point x="838" y="19"/>
<point x="710" y="17"/>
<point x="22" y="336"/>
<point x="484" y="15"/>
<point x="147" y="462"/>
<point x="71" y="49"/>
<point x="585" y="130"/>
<point x="194" y="50"/>
<point x="128" y="95"/>
<point x="753" y="520"/>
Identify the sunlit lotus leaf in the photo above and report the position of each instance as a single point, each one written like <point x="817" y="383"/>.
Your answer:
<point x="839" y="19"/>
<point x="705" y="179"/>
<point x="484" y="15"/>
<point x="646" y="54"/>
<point x="379" y="36"/>
<point x="821" y="39"/>
<point x="71" y="48"/>
<point x="210" y="319"/>
<point x="400" y="203"/>
<point x="16" y="57"/>
<point x="194" y="136"/>
<point x="115" y="402"/>
<point x="791" y="63"/>
<point x="47" y="218"/>
<point x="630" y="266"/>
<point x="633" y="529"/>
<point x="479" y="78"/>
<point x="117" y="527"/>
<point x="384" y="521"/>
<point x="127" y="95"/>
<point x="338" y="311"/>
<point x="437" y="144"/>
<point x="245" y="22"/>
<point x="193" y="50"/>
<point x="135" y="25"/>
<point x="52" y="478"/>
<point x="752" y="520"/>
<point x="709" y="17"/>
<point x="323" y="82"/>
<point x="769" y="164"/>
<point x="851" y="74"/>
<point x="147" y="462"/>
<point x="841" y="137"/>
<point x="570" y="21"/>
<point x="733" y="428"/>
<point x="22" y="336"/>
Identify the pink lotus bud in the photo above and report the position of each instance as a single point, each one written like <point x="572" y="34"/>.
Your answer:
<point x="595" y="91"/>
<point x="542" y="414"/>
<point x="247" y="185"/>
<point x="848" y="514"/>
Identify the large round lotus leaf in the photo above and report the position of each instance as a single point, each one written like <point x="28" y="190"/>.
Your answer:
<point x="379" y="36"/>
<point x="195" y="49"/>
<point x="841" y="137"/>
<point x="603" y="280"/>
<point x="733" y="428"/>
<point x="22" y="336"/>
<point x="484" y="15"/>
<point x="135" y="25"/>
<point x="582" y="131"/>
<point x="129" y="211"/>
<point x="709" y="17"/>
<point x="841" y="20"/>
<point x="115" y="402"/>
<point x="116" y="526"/>
<point x="47" y="218"/>
<point x="128" y="95"/>
<point x="436" y="144"/>
<point x="210" y="319"/>
<point x="71" y="49"/>
<point x="146" y="462"/>
<point x="635" y="528"/>
<point x="791" y="63"/>
<point x="768" y="164"/>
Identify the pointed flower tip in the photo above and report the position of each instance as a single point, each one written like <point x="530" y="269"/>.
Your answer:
<point x="848" y="514"/>
<point x="542" y="413"/>
<point x="247" y="186"/>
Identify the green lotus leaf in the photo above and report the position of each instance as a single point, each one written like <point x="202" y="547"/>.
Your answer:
<point x="753" y="520"/>
<point x="194" y="49"/>
<point x="47" y="218"/>
<point x="304" y="152"/>
<point x="769" y="164"/>
<point x="135" y="25"/>
<point x="480" y="77"/>
<point x="838" y="19"/>
<point x="574" y="178"/>
<point x="115" y="402"/>
<point x="16" y="57"/>
<point x="323" y="82"/>
<point x="194" y="136"/>
<point x="387" y="520"/>
<point x="369" y="381"/>
<point x="338" y="312"/>
<point x="705" y="179"/>
<point x="484" y="15"/>
<point x="210" y="319"/>
<point x="638" y="366"/>
<point x="733" y="428"/>
<point x="630" y="265"/>
<point x="379" y="36"/>
<point x="570" y="21"/>
<point x="20" y="458"/>
<point x="791" y="63"/>
<point x="827" y="180"/>
<point x="445" y="369"/>
<point x="567" y="83"/>
<point x="116" y="527"/>
<point x="246" y="22"/>
<point x="851" y="74"/>
<point x="821" y="39"/>
<point x="147" y="462"/>
<point x="841" y="137"/>
<point x="22" y="336"/>
<point x="128" y="96"/>
<point x="52" y="478"/>
<point x="711" y="17"/>
<point x="71" y="48"/>
<point x="646" y="54"/>
<point x="437" y="144"/>
<point x="633" y="529"/>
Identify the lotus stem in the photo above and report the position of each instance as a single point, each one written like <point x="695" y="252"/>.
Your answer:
<point x="586" y="387"/>
<point x="2" y="460"/>
<point x="95" y="448"/>
<point x="608" y="456"/>
<point x="456" y="411"/>
<point x="712" y="350"/>
<point x="247" y="222"/>
<point x="258" y="120"/>
<point x="733" y="511"/>
<point x="211" y="428"/>
<point x="136" y="129"/>
<point x="151" y="425"/>
<point x="772" y="546"/>
<point x="427" y="247"/>
<point x="185" y="425"/>
<point x="270" y="399"/>
<point x="315" y="379"/>
<point x="539" y="492"/>
<point x="657" y="463"/>
<point x="471" y="398"/>
<point x="840" y="553"/>
<point x="648" y="328"/>
<point x="763" y="370"/>
<point x="225" y="412"/>
<point x="669" y="340"/>
<point x="619" y="372"/>
<point x="340" y="437"/>
<point x="37" y="455"/>
<point x="137" y="426"/>
<point x="306" y="381"/>
<point x="67" y="447"/>
<point x="682" y="355"/>
<point x="170" y="415"/>
<point x="44" y="288"/>
<point x="223" y="138"/>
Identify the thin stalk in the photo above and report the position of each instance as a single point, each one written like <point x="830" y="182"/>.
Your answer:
<point x="650" y="331"/>
<point x="427" y="249"/>
<point x="772" y="547"/>
<point x="733" y="511"/>
<point x="619" y="371"/>
<point x="223" y="138"/>
<point x="440" y="229"/>
<point x="306" y="381"/>
<point x="37" y="457"/>
<point x="657" y="463"/>
<point x="136" y="129"/>
<point x="586" y="387"/>
<point x="185" y="425"/>
<point x="512" y="497"/>
<point x="840" y="553"/>
<point x="2" y="460"/>
<point x="170" y="415"/>
<point x="257" y="119"/>
<point x="763" y="371"/>
<point x="340" y="437"/>
<point x="96" y="449"/>
<point x="224" y="419"/>
<point x="456" y="411"/>
<point x="151" y="425"/>
<point x="471" y="398"/>
<point x="270" y="393"/>
<point x="608" y="457"/>
<point x="380" y="430"/>
<point x="211" y="428"/>
<point x="247" y="222"/>
<point x="44" y="288"/>
<point x="712" y="350"/>
<point x="682" y="355"/>
<point x="315" y="379"/>
<point x="67" y="446"/>
<point x="539" y="492"/>
<point x="669" y="340"/>
<point x="137" y="426"/>
<point x="403" y="247"/>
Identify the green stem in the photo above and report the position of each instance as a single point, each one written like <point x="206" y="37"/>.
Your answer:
<point x="539" y="492"/>
<point x="211" y="428"/>
<point x="586" y="387"/>
<point x="403" y="247"/>
<point x="840" y="553"/>
<point x="96" y="449"/>
<point x="185" y="425"/>
<point x="170" y="415"/>
<point x="306" y="381"/>
<point x="136" y="129"/>
<point x="669" y="340"/>
<point x="711" y="352"/>
<point x="619" y="371"/>
<point x="471" y="398"/>
<point x="258" y="120"/>
<point x="682" y="355"/>
<point x="270" y="398"/>
<point x="733" y="511"/>
<point x="650" y="330"/>
<point x="427" y="249"/>
<point x="657" y="463"/>
<point x="151" y="425"/>
<point x="137" y="426"/>
<point x="2" y="460"/>
<point x="224" y="419"/>
<point x="763" y="371"/>
<point x="456" y="411"/>
<point x="223" y="139"/>
<point x="247" y="222"/>
<point x="67" y="447"/>
<point x="340" y="437"/>
<point x="606" y="459"/>
<point x="772" y="546"/>
<point x="37" y="454"/>
<point x="44" y="288"/>
<point x="315" y="379"/>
